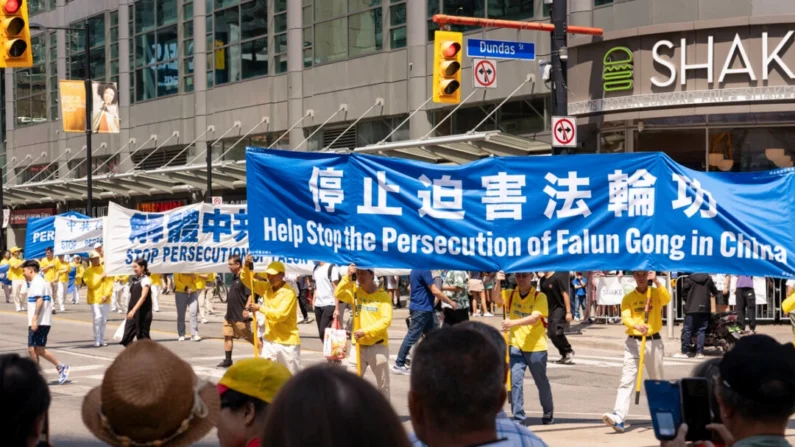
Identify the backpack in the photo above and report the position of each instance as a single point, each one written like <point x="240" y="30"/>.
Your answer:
<point x="330" y="269"/>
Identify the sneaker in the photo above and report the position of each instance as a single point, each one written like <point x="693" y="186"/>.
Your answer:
<point x="612" y="420"/>
<point x="567" y="359"/>
<point x="63" y="374"/>
<point x="204" y="321"/>
<point x="700" y="356"/>
<point x="548" y="419"/>
<point x="309" y="320"/>
<point x="402" y="370"/>
<point x="62" y="309"/>
<point x="488" y="314"/>
<point x="181" y="339"/>
<point x="113" y="310"/>
<point x="96" y="344"/>
<point x="680" y="355"/>
<point x="302" y="321"/>
<point x="120" y="311"/>
<point x="225" y="364"/>
<point x="157" y="310"/>
<point x="196" y="338"/>
<point x="54" y="312"/>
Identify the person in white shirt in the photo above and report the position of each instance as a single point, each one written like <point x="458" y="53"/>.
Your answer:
<point x="40" y="318"/>
<point x="326" y="277"/>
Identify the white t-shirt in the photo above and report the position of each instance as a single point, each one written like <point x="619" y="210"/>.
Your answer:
<point x="39" y="288"/>
<point x="145" y="281"/>
<point x="324" y="289"/>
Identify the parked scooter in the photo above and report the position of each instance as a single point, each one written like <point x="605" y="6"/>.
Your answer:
<point x="722" y="333"/>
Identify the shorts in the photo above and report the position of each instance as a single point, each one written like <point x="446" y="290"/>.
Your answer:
<point x="38" y="339"/>
<point x="238" y="329"/>
<point x="475" y="285"/>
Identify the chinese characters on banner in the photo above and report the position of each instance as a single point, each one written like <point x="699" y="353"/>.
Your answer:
<point x="77" y="235"/>
<point x="196" y="238"/>
<point x="585" y="212"/>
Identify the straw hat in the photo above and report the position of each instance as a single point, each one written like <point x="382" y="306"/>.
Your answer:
<point x="151" y="397"/>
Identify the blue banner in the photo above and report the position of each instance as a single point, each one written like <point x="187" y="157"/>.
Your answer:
<point x="581" y="212"/>
<point x="41" y="234"/>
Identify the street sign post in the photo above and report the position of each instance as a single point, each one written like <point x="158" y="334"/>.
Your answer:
<point x="485" y="73"/>
<point x="217" y="200"/>
<point x="500" y="49"/>
<point x="564" y="131"/>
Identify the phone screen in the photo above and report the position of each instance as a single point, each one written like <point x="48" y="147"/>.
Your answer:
<point x="665" y="407"/>
<point x="696" y="411"/>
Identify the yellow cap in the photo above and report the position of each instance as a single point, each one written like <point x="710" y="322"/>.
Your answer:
<point x="274" y="268"/>
<point x="93" y="255"/>
<point x="255" y="377"/>
<point x="15" y="249"/>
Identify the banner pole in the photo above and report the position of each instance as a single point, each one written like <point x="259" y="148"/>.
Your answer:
<point x="642" y="348"/>
<point x="254" y="320"/>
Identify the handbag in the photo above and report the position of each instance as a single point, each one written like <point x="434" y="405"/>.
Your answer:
<point x="335" y="340"/>
<point x="120" y="331"/>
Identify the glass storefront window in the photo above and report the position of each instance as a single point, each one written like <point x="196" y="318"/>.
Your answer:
<point x="684" y="146"/>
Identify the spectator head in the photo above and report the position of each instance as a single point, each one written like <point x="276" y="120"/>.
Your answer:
<point x="30" y="269"/>
<point x="150" y="396"/>
<point x="326" y="406"/>
<point x="235" y="264"/>
<point x="578" y="274"/>
<point x="757" y="385"/>
<point x="141" y="267"/>
<point x="492" y="334"/>
<point x="246" y="390"/>
<point x="457" y="387"/>
<point x="48" y="252"/>
<point x="26" y="399"/>
<point x="275" y="272"/>
<point x="94" y="257"/>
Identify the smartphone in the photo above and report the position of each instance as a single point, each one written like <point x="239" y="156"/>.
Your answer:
<point x="665" y="402"/>
<point x="696" y="408"/>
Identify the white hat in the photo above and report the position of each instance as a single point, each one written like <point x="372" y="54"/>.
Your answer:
<point x="97" y="245"/>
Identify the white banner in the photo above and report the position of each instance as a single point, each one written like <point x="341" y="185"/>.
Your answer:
<point x="610" y="290"/>
<point x="75" y="235"/>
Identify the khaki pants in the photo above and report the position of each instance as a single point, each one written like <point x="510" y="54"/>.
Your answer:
<point x="652" y="365"/>
<point x="377" y="358"/>
<point x="287" y="355"/>
<point x="19" y="293"/>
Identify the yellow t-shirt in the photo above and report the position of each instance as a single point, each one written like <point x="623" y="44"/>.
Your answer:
<point x="156" y="279"/>
<point x="62" y="268"/>
<point x="51" y="273"/>
<point x="79" y="273"/>
<point x="98" y="288"/>
<point x="375" y="311"/>
<point x="788" y="305"/>
<point x="279" y="308"/>
<point x="528" y="338"/>
<point x="186" y="282"/>
<point x="123" y="279"/>
<point x="201" y="283"/>
<point x="15" y="272"/>
<point x="633" y="308"/>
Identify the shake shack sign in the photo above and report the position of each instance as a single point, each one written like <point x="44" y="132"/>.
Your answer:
<point x="696" y="67"/>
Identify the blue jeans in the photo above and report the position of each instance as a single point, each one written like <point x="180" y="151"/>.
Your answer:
<point x="579" y="301"/>
<point x="695" y="323"/>
<point x="537" y="362"/>
<point x="421" y="322"/>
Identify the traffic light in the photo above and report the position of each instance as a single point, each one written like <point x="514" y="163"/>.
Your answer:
<point x="15" y="34"/>
<point x="447" y="67"/>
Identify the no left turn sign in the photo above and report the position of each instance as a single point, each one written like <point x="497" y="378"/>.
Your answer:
<point x="564" y="131"/>
<point x="485" y="73"/>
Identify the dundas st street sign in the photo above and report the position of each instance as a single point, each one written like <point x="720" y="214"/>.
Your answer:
<point x="672" y="66"/>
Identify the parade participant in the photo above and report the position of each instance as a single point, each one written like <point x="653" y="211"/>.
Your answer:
<point x="246" y="390"/>
<point x="139" y="318"/>
<point x="421" y="314"/>
<point x="372" y="318"/>
<point x="633" y="309"/>
<point x="62" y="279"/>
<point x="455" y="287"/>
<point x="326" y="277"/>
<point x="527" y="310"/>
<point x="237" y="321"/>
<point x="121" y="293"/>
<point x="788" y="305"/>
<point x="186" y="289"/>
<point x="40" y="319"/>
<point x="281" y="342"/>
<point x="100" y="289"/>
<point x="101" y="250"/>
<point x="75" y="275"/>
<point x="157" y="287"/>
<point x="4" y="280"/>
<point x="49" y="267"/>
<point x="18" y="284"/>
<point x="202" y="280"/>
<point x="555" y="285"/>
<point x="206" y="296"/>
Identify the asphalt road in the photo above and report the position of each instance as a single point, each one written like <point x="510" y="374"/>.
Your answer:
<point x="582" y="392"/>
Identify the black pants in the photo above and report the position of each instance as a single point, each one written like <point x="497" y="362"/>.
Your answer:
<point x="746" y="307"/>
<point x="138" y="327"/>
<point x="453" y="317"/>
<point x="557" y="324"/>
<point x="302" y="304"/>
<point x="323" y="317"/>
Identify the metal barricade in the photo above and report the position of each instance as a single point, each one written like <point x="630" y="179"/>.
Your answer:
<point x="768" y="311"/>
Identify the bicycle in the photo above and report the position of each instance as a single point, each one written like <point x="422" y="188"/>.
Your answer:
<point x="219" y="291"/>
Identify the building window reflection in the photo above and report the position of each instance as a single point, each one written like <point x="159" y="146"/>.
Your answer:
<point x="156" y="59"/>
<point x="30" y="86"/>
<point x="237" y="36"/>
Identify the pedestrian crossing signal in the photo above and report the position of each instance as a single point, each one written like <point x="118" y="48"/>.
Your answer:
<point x="447" y="67"/>
<point x="15" y="34"/>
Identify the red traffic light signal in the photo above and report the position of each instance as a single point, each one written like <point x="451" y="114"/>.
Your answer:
<point x="12" y="6"/>
<point x="14" y="35"/>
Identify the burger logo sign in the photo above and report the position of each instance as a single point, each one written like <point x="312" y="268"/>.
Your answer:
<point x="617" y="72"/>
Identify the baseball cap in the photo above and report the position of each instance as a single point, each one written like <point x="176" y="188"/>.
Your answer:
<point x="255" y="377"/>
<point x="274" y="268"/>
<point x="15" y="249"/>
<point x="756" y="361"/>
<point x="93" y="255"/>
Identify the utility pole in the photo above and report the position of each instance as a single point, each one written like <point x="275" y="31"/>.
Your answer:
<point x="560" y="57"/>
<point x="89" y="121"/>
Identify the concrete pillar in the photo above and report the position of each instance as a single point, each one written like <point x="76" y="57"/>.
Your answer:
<point x="126" y="78"/>
<point x="295" y="68"/>
<point x="580" y="12"/>
<point x="10" y="149"/>
<point x="200" y="78"/>
<point x="417" y="37"/>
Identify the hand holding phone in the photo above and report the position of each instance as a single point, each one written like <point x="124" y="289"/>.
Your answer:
<point x="696" y="408"/>
<point x="665" y="408"/>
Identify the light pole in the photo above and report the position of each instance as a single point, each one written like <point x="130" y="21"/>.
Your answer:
<point x="89" y="105"/>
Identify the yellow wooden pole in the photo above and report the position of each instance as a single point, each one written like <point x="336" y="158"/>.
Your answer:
<point x="356" y="325"/>
<point x="642" y="348"/>
<point x="254" y="319"/>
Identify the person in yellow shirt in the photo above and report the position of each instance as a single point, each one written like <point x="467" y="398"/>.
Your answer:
<point x="121" y="293"/>
<point x="280" y="306"/>
<point x="372" y="317"/>
<point x="633" y="308"/>
<point x="75" y="278"/>
<point x="100" y="289"/>
<point x="5" y="281"/>
<point x="157" y="287"/>
<point x="527" y="310"/>
<point x="61" y="279"/>
<point x="788" y="305"/>
<point x="205" y="303"/>
<point x="49" y="268"/>
<point x="18" y="283"/>
<point x="186" y="288"/>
